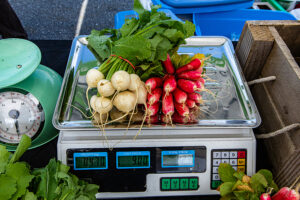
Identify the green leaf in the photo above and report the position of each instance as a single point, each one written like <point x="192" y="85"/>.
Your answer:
<point x="267" y="174"/>
<point x="189" y="28"/>
<point x="253" y="197"/>
<point x="239" y="175"/>
<point x="20" y="172"/>
<point x="226" y="188"/>
<point x="24" y="144"/>
<point x="29" y="196"/>
<point x="133" y="48"/>
<point x="138" y="7"/>
<point x="237" y="184"/>
<point x="129" y="27"/>
<point x="226" y="172"/>
<point x="8" y="187"/>
<point x="101" y="45"/>
<point x="258" y="182"/>
<point x="241" y="195"/>
<point x="4" y="157"/>
<point x="274" y="186"/>
<point x="162" y="49"/>
<point x="48" y="183"/>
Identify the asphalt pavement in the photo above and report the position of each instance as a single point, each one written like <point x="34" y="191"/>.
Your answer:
<point x="57" y="19"/>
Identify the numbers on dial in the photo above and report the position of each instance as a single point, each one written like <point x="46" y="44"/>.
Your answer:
<point x="19" y="114"/>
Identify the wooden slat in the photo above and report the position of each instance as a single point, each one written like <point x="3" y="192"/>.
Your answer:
<point x="253" y="49"/>
<point x="285" y="91"/>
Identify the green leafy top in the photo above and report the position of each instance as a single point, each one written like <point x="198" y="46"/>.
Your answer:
<point x="145" y="40"/>
<point x="238" y="186"/>
<point x="53" y="182"/>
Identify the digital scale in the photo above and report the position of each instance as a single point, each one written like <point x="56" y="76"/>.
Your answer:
<point x="163" y="160"/>
<point x="28" y="94"/>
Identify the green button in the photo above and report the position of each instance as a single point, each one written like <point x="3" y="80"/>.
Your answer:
<point x="184" y="184"/>
<point x="165" y="184"/>
<point x="193" y="184"/>
<point x="175" y="184"/>
<point x="215" y="184"/>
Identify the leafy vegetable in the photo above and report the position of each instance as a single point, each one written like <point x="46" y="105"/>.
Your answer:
<point x="53" y="182"/>
<point x="238" y="186"/>
<point x="143" y="41"/>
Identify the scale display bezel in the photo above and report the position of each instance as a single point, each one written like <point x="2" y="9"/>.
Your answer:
<point x="90" y="154"/>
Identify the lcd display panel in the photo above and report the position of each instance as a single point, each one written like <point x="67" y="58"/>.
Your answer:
<point x="90" y="160"/>
<point x="178" y="158"/>
<point x="133" y="159"/>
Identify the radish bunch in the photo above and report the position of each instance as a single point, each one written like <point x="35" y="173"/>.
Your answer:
<point x="176" y="91"/>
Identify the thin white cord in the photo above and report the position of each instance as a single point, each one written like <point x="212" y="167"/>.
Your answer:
<point x="262" y="80"/>
<point x="278" y="132"/>
<point x="81" y="17"/>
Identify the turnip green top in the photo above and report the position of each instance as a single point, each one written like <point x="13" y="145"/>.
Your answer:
<point x="18" y="59"/>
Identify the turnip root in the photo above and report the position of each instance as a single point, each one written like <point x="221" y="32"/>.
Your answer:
<point x="135" y="82"/>
<point x="105" y="88"/>
<point x="99" y="121"/>
<point x="125" y="101"/>
<point x="93" y="76"/>
<point x="141" y="94"/>
<point x="120" y="80"/>
<point x="117" y="115"/>
<point x="103" y="105"/>
<point x="93" y="101"/>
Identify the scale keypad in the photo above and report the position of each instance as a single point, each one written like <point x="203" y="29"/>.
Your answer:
<point x="179" y="183"/>
<point x="237" y="158"/>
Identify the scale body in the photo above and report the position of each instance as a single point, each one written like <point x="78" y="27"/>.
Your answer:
<point x="163" y="160"/>
<point x="28" y="94"/>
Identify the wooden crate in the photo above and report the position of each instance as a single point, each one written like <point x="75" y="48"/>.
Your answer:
<point x="272" y="48"/>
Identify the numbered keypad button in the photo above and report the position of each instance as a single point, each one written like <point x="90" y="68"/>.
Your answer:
<point x="225" y="154"/>
<point x="217" y="154"/>
<point x="215" y="170"/>
<point x="233" y="162"/>
<point x="225" y="161"/>
<point x="233" y="154"/>
<point x="216" y="162"/>
<point x="216" y="177"/>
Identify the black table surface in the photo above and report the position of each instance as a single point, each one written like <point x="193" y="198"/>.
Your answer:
<point x="55" y="55"/>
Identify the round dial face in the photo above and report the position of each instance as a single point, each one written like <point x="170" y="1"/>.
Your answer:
<point x="19" y="114"/>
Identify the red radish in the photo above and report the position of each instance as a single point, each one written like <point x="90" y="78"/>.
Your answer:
<point x="179" y="119"/>
<point x="152" y="109"/>
<point x="195" y="97"/>
<point x="200" y="69"/>
<point x="155" y="96"/>
<point x="282" y="194"/>
<point x="293" y="195"/>
<point x="167" y="104"/>
<point x="187" y="85"/>
<point x="190" y="75"/>
<point x="190" y="103"/>
<point x="153" y="83"/>
<point x="200" y="83"/>
<point x="179" y="96"/>
<point x="265" y="196"/>
<point x="169" y="84"/>
<point x="168" y="65"/>
<point x="193" y="65"/>
<point x="152" y="119"/>
<point x="182" y="109"/>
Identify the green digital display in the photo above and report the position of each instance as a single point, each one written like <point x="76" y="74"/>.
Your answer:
<point x="86" y="161"/>
<point x="133" y="160"/>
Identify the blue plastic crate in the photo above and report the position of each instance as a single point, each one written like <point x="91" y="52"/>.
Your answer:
<point x="201" y="6"/>
<point x="230" y="24"/>
<point x="121" y="16"/>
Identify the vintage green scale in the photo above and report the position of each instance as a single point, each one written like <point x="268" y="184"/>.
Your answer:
<point x="28" y="94"/>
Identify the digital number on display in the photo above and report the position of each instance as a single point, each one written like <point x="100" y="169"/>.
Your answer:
<point x="90" y="160"/>
<point x="178" y="158"/>
<point x="133" y="159"/>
